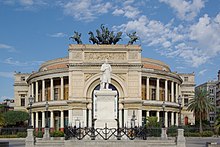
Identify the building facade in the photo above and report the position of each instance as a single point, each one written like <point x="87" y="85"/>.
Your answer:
<point x="68" y="85"/>
<point x="211" y="88"/>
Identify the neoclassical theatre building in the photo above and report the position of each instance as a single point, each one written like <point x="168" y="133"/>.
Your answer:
<point x="68" y="85"/>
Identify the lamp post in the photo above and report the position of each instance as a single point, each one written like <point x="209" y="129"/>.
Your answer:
<point x="46" y="130"/>
<point x="180" y="103"/>
<point x="163" y="106"/>
<point x="31" y="100"/>
<point x="47" y="106"/>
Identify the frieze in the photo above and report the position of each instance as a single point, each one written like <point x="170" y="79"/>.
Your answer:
<point x="105" y="55"/>
<point x="122" y="76"/>
<point x="76" y="55"/>
<point x="133" y="55"/>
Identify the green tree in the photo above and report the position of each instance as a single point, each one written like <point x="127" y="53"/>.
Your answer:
<point x="217" y="122"/>
<point x="152" y="122"/>
<point x="200" y="104"/>
<point x="15" y="117"/>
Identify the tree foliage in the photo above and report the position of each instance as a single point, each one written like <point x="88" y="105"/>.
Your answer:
<point x="217" y="122"/>
<point x="200" y="104"/>
<point x="152" y="122"/>
<point x="15" y="117"/>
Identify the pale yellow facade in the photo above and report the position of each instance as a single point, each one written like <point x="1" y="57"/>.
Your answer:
<point x="68" y="84"/>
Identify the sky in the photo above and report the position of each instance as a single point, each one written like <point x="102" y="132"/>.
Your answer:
<point x="185" y="34"/>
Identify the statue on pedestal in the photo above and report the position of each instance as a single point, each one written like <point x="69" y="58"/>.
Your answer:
<point x="106" y="75"/>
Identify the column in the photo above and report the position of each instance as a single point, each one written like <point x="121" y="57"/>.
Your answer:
<point x="32" y="88"/>
<point x="172" y="118"/>
<point x="32" y="119"/>
<point x="83" y="123"/>
<point x="90" y="118"/>
<point x="166" y="90"/>
<point x="126" y="118"/>
<point x="172" y="91"/>
<point x="177" y="119"/>
<point x="166" y="119"/>
<point x="36" y="121"/>
<point x="120" y="118"/>
<point x="43" y="90"/>
<point x="147" y="113"/>
<point x="61" y="120"/>
<point x="158" y="90"/>
<point x="36" y="96"/>
<point x="158" y="115"/>
<point x="29" y="92"/>
<point x="51" y="120"/>
<point x="70" y="84"/>
<point x="43" y="120"/>
<point x="51" y="90"/>
<point x="148" y="89"/>
<point x="140" y="117"/>
<point x="177" y="92"/>
<point x="70" y="117"/>
<point x="61" y="86"/>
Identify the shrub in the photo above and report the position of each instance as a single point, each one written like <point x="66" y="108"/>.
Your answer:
<point x="207" y="134"/>
<point x="57" y="134"/>
<point x="22" y="134"/>
<point x="39" y="134"/>
<point x="191" y="134"/>
<point x="8" y="136"/>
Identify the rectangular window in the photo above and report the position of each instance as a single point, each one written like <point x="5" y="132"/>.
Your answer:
<point x="186" y="79"/>
<point x="186" y="101"/>
<point x="22" y="78"/>
<point x="22" y="101"/>
<point x="56" y="93"/>
<point x="153" y="94"/>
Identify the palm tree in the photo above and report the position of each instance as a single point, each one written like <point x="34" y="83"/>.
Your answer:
<point x="200" y="104"/>
<point x="217" y="123"/>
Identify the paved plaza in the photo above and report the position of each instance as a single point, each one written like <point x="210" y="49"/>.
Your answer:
<point x="190" y="141"/>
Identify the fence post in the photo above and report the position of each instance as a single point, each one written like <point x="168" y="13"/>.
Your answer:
<point x="29" y="142"/>
<point x="181" y="141"/>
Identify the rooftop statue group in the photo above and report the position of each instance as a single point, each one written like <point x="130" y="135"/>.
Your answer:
<point x="104" y="36"/>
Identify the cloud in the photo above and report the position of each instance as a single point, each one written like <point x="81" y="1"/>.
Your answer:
<point x="7" y="74"/>
<point x="58" y="35"/>
<point x="13" y="62"/>
<point x="194" y="44"/>
<point x="86" y="10"/>
<point x="202" y="72"/>
<point x="7" y="47"/>
<point x="127" y="9"/>
<point x="185" y="10"/>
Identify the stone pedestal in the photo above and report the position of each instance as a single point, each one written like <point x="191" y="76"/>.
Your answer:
<point x="29" y="141"/>
<point x="163" y="133"/>
<point x="181" y="141"/>
<point x="46" y="133"/>
<point x="105" y="108"/>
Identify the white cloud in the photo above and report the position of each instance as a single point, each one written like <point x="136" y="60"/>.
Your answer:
<point x="7" y="47"/>
<point x="13" y="62"/>
<point x="26" y="2"/>
<point x="127" y="9"/>
<point x="195" y="44"/>
<point x="185" y="10"/>
<point x="58" y="35"/>
<point x="202" y="72"/>
<point x="86" y="10"/>
<point x="7" y="74"/>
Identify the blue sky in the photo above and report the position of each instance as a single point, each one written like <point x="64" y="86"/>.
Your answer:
<point x="185" y="34"/>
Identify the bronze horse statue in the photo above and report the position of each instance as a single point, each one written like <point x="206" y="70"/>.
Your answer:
<point x="76" y="37"/>
<point x="92" y="38"/>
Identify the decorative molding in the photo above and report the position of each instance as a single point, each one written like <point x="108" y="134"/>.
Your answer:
<point x="104" y="55"/>
<point x="87" y="76"/>
<point x="76" y="55"/>
<point x="133" y="55"/>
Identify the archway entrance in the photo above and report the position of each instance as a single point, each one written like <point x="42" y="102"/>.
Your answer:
<point x="105" y="108"/>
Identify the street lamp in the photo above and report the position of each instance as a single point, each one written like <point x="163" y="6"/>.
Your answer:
<point x="180" y="103"/>
<point x="163" y="106"/>
<point x="31" y="100"/>
<point x="47" y="106"/>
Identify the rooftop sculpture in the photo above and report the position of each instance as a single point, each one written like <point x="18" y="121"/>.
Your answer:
<point x="104" y="36"/>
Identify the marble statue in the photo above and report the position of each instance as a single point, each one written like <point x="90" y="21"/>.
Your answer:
<point x="106" y="75"/>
